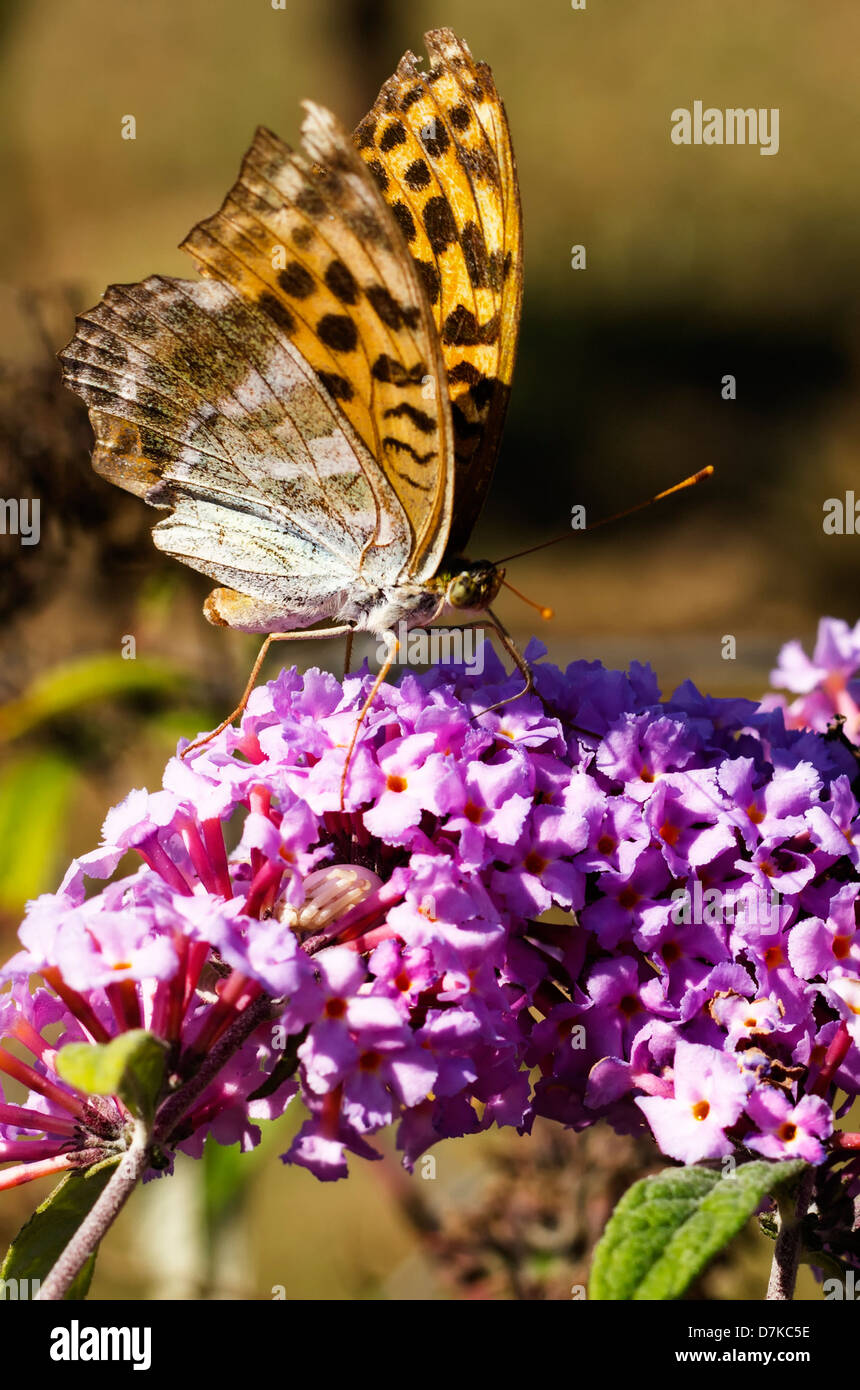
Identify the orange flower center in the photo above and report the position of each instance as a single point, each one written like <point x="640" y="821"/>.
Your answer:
<point x="670" y="833"/>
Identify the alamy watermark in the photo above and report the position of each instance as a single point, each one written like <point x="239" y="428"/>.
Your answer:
<point x="708" y="125"/>
<point x="842" y="517"/>
<point x="715" y="907"/>
<point x="15" y="1289"/>
<point x="77" y="1343"/>
<point x="437" y="646"/>
<point x="20" y="516"/>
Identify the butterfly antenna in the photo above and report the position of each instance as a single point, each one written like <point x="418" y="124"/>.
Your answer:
<point x="539" y="607"/>
<point x="616" y="516"/>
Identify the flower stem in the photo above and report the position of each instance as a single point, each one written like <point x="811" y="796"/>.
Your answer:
<point x="87" y="1237"/>
<point x="789" y="1242"/>
<point x="176" y="1105"/>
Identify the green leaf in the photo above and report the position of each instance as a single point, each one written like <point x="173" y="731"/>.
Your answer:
<point x="41" y="1240"/>
<point x="667" y="1227"/>
<point x="74" y="683"/>
<point x="41" y="785"/>
<point x="130" y="1066"/>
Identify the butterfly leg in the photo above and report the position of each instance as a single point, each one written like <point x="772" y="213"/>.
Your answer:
<point x="309" y="635"/>
<point x="383" y="672"/>
<point x="512" y="650"/>
<point x="519" y="660"/>
<point x="347" y="656"/>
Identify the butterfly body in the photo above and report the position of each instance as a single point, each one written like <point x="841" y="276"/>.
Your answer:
<point x="466" y="586"/>
<point x="320" y="414"/>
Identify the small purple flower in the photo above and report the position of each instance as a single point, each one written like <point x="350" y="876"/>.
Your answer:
<point x="709" y="1097"/>
<point x="784" y="1130"/>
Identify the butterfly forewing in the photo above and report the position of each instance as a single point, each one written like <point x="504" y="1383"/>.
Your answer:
<point x="308" y="239"/>
<point x="297" y="410"/>
<point x="439" y="147"/>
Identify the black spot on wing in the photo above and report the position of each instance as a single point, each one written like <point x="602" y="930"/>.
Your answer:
<point x="435" y="138"/>
<point x="417" y="175"/>
<point x="461" y="327"/>
<point x="338" y="332"/>
<point x="478" y="162"/>
<point x="459" y="116"/>
<point x="365" y="133"/>
<point x="392" y="314"/>
<point x="310" y="201"/>
<point x="430" y="278"/>
<point x="337" y="386"/>
<point x="341" y="281"/>
<point x="379" y="173"/>
<point x="392" y="136"/>
<point x="465" y="371"/>
<point x="405" y="220"/>
<point x="296" y="280"/>
<point x="276" y="311"/>
<point x="439" y="223"/>
<point x="475" y="255"/>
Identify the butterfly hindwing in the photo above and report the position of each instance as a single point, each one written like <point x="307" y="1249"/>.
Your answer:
<point x="198" y="405"/>
<point x="439" y="147"/>
<point x="309" y="240"/>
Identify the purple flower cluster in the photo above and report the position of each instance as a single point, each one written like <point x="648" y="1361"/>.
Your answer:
<point x="828" y="685"/>
<point x="710" y="982"/>
<point x="590" y="903"/>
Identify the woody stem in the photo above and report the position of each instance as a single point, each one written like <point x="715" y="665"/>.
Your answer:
<point x="89" y="1234"/>
<point x="789" y="1242"/>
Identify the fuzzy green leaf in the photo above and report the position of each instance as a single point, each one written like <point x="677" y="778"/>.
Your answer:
<point x="130" y="1066"/>
<point x="41" y="1240"/>
<point x="666" y="1228"/>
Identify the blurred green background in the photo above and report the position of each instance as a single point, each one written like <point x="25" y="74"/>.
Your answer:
<point x="701" y="262"/>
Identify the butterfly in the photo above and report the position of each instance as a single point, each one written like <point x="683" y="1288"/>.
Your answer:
<point x="321" y="412"/>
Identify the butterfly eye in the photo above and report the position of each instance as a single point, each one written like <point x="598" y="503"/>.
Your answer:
<point x="475" y="587"/>
<point x="464" y="591"/>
